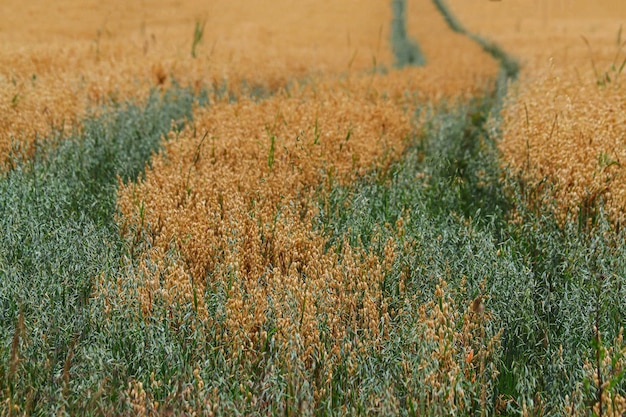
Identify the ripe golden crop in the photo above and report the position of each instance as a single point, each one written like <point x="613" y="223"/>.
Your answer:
<point x="565" y="120"/>
<point x="234" y="194"/>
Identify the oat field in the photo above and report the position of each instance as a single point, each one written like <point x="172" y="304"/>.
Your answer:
<point x="401" y="207"/>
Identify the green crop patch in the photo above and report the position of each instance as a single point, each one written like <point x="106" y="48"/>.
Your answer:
<point x="58" y="234"/>
<point x="405" y="49"/>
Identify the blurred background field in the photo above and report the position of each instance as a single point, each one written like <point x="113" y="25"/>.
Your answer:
<point x="58" y="59"/>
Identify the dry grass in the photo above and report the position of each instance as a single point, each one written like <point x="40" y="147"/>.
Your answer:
<point x="564" y="120"/>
